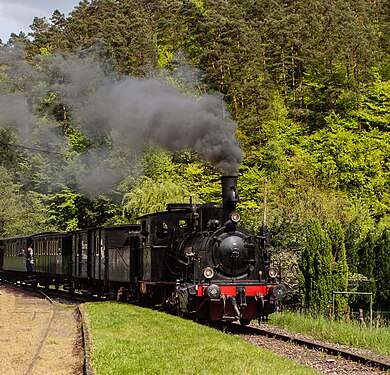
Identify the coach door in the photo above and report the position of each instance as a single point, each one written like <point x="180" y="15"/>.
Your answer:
<point x="66" y="251"/>
<point x="80" y="242"/>
<point x="95" y="241"/>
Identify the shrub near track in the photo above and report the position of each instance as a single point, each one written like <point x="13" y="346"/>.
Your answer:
<point x="128" y="339"/>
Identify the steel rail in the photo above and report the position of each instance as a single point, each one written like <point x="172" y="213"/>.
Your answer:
<point x="35" y="359"/>
<point x="338" y="352"/>
<point x="83" y="330"/>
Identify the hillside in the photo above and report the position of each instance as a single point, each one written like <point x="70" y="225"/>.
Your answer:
<point x="129" y="99"/>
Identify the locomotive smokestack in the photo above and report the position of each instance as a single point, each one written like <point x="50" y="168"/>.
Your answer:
<point x="229" y="195"/>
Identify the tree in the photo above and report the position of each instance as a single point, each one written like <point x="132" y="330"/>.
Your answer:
<point x="374" y="111"/>
<point x="153" y="196"/>
<point x="382" y="270"/>
<point x="340" y="266"/>
<point x="9" y="155"/>
<point x="367" y="267"/>
<point x="21" y="213"/>
<point x="316" y="268"/>
<point x="70" y="210"/>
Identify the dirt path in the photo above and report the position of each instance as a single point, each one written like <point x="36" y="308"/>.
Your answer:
<point x="37" y="337"/>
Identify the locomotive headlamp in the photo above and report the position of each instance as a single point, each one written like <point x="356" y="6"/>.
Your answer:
<point x="279" y="291"/>
<point x="235" y="217"/>
<point x="213" y="291"/>
<point x="208" y="273"/>
<point x="272" y="272"/>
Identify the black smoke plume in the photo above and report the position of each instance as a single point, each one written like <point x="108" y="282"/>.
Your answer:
<point x="131" y="112"/>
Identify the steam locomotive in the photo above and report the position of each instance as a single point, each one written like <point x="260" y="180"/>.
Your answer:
<point x="193" y="259"/>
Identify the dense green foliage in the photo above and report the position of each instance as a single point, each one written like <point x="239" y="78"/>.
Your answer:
<point x="131" y="340"/>
<point x="307" y="83"/>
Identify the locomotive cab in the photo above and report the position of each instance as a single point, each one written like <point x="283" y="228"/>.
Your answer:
<point x="160" y="229"/>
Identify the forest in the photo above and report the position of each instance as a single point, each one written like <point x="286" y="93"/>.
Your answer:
<point x="124" y="106"/>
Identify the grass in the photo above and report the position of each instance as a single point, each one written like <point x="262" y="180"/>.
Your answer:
<point x="128" y="339"/>
<point x="374" y="339"/>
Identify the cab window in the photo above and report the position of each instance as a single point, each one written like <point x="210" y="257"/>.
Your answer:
<point x="161" y="229"/>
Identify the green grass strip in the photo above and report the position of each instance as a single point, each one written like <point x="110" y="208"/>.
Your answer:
<point x="374" y="339"/>
<point x="128" y="339"/>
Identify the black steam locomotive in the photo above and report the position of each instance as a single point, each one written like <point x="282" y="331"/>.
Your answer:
<point x="191" y="259"/>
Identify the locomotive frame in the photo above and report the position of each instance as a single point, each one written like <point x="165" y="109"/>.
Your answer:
<point x="192" y="259"/>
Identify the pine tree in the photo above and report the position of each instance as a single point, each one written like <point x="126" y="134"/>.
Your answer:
<point x="340" y="266"/>
<point x="367" y="267"/>
<point x="382" y="271"/>
<point x="316" y="267"/>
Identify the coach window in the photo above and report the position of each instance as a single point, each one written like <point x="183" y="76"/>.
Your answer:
<point x="102" y="248"/>
<point x="97" y="247"/>
<point x="76" y="245"/>
<point x="84" y="246"/>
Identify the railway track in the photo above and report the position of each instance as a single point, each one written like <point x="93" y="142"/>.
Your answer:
<point x="252" y="330"/>
<point x="43" y="335"/>
<point x="55" y="293"/>
<point x="337" y="352"/>
<point x="80" y="319"/>
<point x="42" y="342"/>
